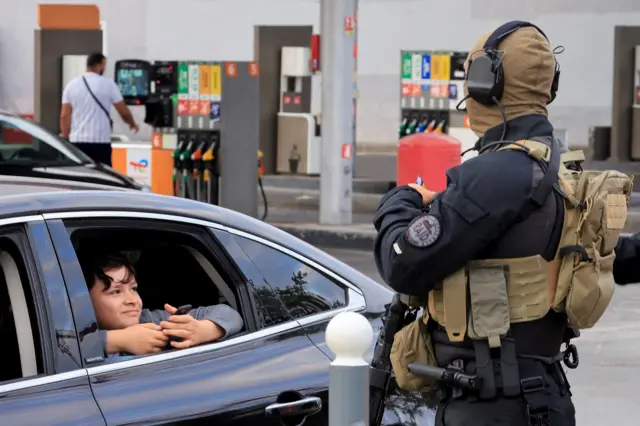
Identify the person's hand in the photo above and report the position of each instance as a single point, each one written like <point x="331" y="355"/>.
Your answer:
<point x="193" y="332"/>
<point x="139" y="339"/>
<point x="134" y="128"/>
<point x="427" y="196"/>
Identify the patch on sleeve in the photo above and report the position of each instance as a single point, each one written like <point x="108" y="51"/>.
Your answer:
<point x="423" y="232"/>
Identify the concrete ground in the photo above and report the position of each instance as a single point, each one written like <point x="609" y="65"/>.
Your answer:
<point x="608" y="376"/>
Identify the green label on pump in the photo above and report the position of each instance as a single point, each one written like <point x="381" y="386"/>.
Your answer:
<point x="406" y="66"/>
<point x="183" y="80"/>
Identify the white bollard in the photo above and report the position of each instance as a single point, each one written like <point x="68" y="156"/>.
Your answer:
<point x="349" y="335"/>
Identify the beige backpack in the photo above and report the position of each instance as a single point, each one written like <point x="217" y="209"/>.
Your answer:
<point x="596" y="205"/>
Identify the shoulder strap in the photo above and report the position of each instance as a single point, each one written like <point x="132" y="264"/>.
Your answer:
<point x="550" y="178"/>
<point x="98" y="102"/>
<point x="549" y="159"/>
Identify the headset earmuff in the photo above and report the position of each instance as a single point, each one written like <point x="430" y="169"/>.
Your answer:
<point x="485" y="75"/>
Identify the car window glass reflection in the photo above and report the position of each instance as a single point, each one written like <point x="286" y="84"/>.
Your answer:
<point x="23" y="142"/>
<point x="304" y="290"/>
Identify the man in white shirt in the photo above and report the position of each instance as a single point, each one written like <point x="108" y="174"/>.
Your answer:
<point x="84" y="117"/>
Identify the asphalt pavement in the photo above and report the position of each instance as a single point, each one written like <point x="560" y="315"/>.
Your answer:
<point x="605" y="382"/>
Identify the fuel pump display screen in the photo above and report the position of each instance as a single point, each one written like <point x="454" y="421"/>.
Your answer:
<point x="133" y="80"/>
<point x="133" y="83"/>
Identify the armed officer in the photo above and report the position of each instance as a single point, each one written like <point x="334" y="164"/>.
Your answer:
<point x="502" y="258"/>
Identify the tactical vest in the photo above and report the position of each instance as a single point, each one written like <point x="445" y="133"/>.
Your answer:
<point x="485" y="297"/>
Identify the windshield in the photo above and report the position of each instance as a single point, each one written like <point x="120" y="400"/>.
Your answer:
<point x="24" y="142"/>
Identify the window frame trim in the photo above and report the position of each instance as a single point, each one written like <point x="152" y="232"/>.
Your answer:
<point x="356" y="300"/>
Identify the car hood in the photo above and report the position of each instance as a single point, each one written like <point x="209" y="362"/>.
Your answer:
<point x="91" y="173"/>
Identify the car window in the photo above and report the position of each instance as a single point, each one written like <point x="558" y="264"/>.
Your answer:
<point x="173" y="264"/>
<point x="303" y="289"/>
<point x="268" y="308"/>
<point x="24" y="142"/>
<point x="21" y="354"/>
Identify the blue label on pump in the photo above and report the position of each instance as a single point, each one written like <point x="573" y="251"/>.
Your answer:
<point x="453" y="92"/>
<point x="214" y="114"/>
<point x="426" y="67"/>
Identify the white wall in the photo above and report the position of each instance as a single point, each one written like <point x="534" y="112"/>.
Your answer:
<point x="223" y="30"/>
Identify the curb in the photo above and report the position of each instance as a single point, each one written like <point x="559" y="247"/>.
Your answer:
<point x="302" y="183"/>
<point x="327" y="238"/>
<point x="309" y="199"/>
<point x="364" y="240"/>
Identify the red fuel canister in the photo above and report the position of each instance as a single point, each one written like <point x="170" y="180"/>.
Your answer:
<point x="428" y="155"/>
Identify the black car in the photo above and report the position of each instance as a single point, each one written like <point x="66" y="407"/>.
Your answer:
<point x="185" y="252"/>
<point x="28" y="149"/>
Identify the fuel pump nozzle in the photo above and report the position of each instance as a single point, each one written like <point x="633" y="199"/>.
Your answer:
<point x="185" y="161"/>
<point x="198" y="168"/>
<point x="423" y="124"/>
<point x="177" y="165"/>
<point x="210" y="172"/>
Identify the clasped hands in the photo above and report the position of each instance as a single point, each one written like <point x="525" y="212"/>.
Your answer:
<point x="149" y="338"/>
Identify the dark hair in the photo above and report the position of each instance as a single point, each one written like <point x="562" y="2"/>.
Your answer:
<point x="95" y="58"/>
<point x="94" y="266"/>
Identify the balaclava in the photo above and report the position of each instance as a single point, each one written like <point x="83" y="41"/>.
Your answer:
<point x="529" y="66"/>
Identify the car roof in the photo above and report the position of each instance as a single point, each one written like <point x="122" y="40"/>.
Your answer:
<point x="28" y="199"/>
<point x="14" y="185"/>
<point x="24" y="197"/>
<point x="52" y="200"/>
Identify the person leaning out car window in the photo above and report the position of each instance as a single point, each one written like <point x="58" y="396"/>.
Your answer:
<point x="127" y="328"/>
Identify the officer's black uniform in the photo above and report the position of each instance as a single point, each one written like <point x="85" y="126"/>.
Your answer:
<point x="626" y="268"/>
<point x="479" y="216"/>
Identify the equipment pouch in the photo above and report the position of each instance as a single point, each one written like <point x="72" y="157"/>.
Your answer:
<point x="413" y="344"/>
<point x="605" y="196"/>
<point x="591" y="289"/>
<point x="490" y="318"/>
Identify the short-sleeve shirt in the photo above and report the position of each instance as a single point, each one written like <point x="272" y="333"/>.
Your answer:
<point x="89" y="123"/>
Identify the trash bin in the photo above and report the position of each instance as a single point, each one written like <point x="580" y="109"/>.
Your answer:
<point x="428" y="155"/>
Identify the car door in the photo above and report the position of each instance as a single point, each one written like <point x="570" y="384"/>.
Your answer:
<point x="42" y="380"/>
<point x="248" y="379"/>
<point x="309" y="292"/>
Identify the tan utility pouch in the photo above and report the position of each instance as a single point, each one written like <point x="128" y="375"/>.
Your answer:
<point x="601" y="219"/>
<point x="413" y="344"/>
<point x="490" y="316"/>
<point x="591" y="289"/>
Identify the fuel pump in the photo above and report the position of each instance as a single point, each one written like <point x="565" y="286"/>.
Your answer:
<point x="211" y="172"/>
<point x="198" y="167"/>
<point x="186" y="163"/>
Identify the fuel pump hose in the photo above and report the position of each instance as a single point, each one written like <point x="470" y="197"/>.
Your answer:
<point x="264" y="196"/>
<point x="264" y="200"/>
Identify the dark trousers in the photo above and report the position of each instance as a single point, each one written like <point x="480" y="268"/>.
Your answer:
<point x="97" y="151"/>
<point x="502" y="411"/>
